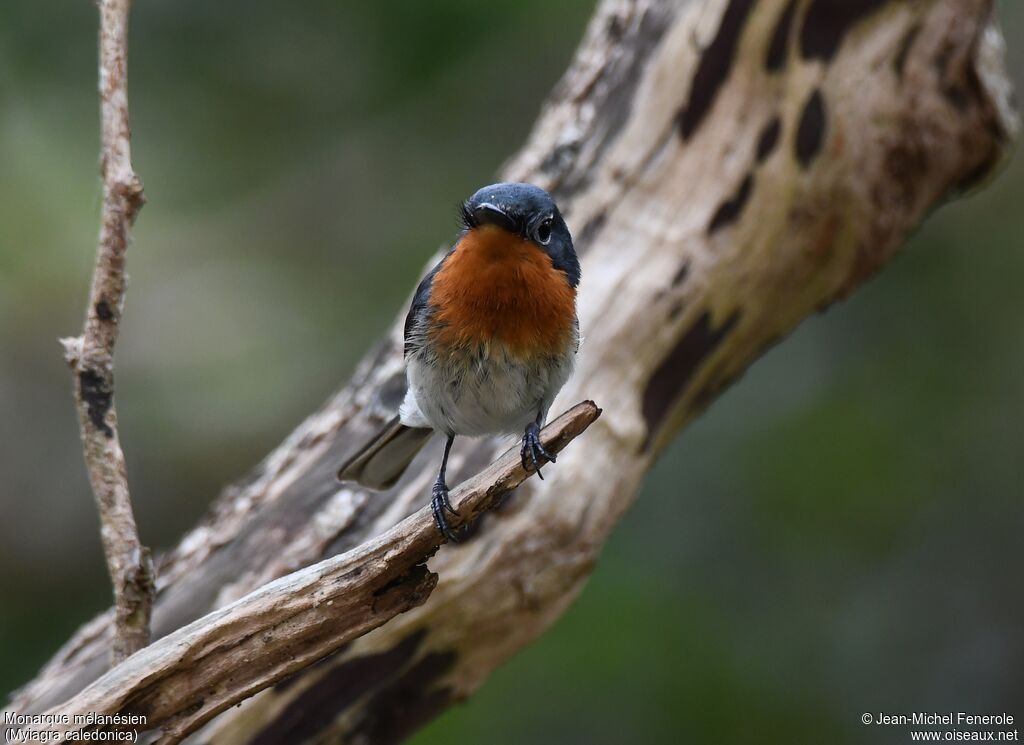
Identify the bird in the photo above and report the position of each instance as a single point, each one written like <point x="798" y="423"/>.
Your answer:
<point x="491" y="337"/>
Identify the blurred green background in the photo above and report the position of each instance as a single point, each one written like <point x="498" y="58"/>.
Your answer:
<point x="841" y="533"/>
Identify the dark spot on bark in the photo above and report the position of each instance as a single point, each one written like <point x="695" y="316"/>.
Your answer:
<point x="775" y="59"/>
<point x="671" y="377"/>
<point x="952" y="89"/>
<point x="899" y="62"/>
<point x="906" y="165"/>
<point x="406" y="703"/>
<point x="681" y="274"/>
<point x="193" y="708"/>
<point x="615" y="27"/>
<point x="729" y="210"/>
<point x="827" y="22"/>
<point x="768" y="139"/>
<point x="590" y="231"/>
<point x="316" y="708"/>
<point x="810" y="133"/>
<point x="407" y="591"/>
<point x="959" y="82"/>
<point x="714" y="66"/>
<point x="958" y="96"/>
<point x="942" y="57"/>
<point x="975" y="176"/>
<point x="98" y="394"/>
<point x="411" y="578"/>
<point x="103" y="311"/>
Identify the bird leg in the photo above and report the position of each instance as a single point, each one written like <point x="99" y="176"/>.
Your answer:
<point x="532" y="450"/>
<point x="439" y="501"/>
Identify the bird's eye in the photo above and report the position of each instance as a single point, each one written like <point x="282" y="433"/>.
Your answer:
<point x="543" y="231"/>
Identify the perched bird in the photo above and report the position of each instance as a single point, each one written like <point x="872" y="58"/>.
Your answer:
<point x="490" y="339"/>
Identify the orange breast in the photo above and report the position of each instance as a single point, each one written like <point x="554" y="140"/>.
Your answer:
<point x="497" y="287"/>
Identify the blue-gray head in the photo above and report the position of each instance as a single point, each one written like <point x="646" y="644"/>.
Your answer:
<point x="528" y="212"/>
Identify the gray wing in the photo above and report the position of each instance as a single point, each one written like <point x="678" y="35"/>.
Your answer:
<point x="419" y="309"/>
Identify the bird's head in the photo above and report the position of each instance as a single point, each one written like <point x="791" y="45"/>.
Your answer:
<point x="525" y="212"/>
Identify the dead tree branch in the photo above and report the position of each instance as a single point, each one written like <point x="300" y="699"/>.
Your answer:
<point x="91" y="356"/>
<point x="728" y="168"/>
<point x="184" y="679"/>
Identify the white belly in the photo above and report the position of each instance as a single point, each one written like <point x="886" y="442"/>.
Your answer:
<point x="484" y="392"/>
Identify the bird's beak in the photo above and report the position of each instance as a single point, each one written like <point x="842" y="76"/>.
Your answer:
<point x="486" y="213"/>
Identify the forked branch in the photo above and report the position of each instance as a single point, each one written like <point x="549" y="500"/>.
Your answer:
<point x="91" y="356"/>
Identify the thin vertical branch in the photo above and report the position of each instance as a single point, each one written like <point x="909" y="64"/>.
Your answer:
<point x="91" y="355"/>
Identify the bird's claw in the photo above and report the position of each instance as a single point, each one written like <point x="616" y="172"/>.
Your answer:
<point x="439" y="502"/>
<point x="533" y="450"/>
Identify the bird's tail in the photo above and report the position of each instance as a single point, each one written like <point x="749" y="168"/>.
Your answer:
<point x="380" y="463"/>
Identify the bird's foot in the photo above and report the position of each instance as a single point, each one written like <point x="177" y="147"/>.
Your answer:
<point x="439" y="502"/>
<point x="532" y="450"/>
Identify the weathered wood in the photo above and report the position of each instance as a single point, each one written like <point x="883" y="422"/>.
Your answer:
<point x="191" y="675"/>
<point x="728" y="167"/>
